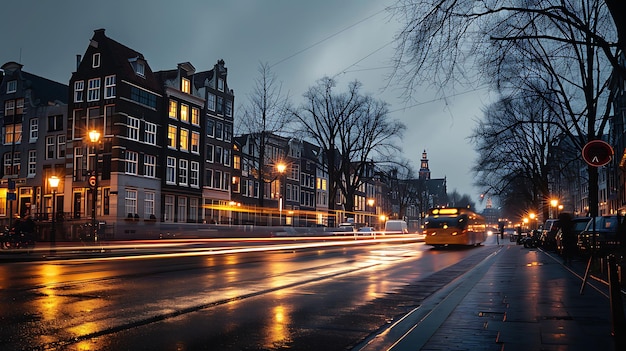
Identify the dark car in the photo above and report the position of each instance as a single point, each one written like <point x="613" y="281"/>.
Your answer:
<point x="578" y="226"/>
<point x="603" y="236"/>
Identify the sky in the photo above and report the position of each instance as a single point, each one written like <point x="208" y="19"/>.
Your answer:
<point x="302" y="41"/>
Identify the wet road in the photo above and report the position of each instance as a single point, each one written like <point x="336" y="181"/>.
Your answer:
<point x="246" y="297"/>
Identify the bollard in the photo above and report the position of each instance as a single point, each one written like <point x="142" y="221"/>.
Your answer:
<point x="618" y="322"/>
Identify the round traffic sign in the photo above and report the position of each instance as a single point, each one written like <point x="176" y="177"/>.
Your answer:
<point x="92" y="181"/>
<point x="597" y="153"/>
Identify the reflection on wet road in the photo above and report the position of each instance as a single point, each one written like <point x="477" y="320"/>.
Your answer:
<point x="209" y="297"/>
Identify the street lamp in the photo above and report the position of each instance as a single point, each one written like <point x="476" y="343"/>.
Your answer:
<point x="370" y="203"/>
<point x="54" y="184"/>
<point x="94" y="137"/>
<point x="281" y="168"/>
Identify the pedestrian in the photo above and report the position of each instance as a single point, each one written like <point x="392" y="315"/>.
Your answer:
<point x="568" y="237"/>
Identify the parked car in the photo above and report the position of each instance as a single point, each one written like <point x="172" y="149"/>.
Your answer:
<point x="603" y="236"/>
<point x="366" y="231"/>
<point x="547" y="240"/>
<point x="578" y="226"/>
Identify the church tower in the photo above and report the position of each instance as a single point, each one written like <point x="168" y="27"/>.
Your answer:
<point x="424" y="170"/>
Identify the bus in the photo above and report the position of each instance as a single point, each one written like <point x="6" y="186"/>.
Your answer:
<point x="454" y="226"/>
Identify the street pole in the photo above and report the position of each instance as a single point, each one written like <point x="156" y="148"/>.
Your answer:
<point x="94" y="136"/>
<point x="54" y="183"/>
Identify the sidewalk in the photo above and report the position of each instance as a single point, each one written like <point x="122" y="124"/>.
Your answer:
<point x="517" y="299"/>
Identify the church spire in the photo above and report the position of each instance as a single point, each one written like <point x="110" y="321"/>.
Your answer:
<point x="424" y="170"/>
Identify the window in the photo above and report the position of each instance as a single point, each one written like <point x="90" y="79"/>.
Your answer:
<point x="195" y="116"/>
<point x="210" y="128"/>
<point x="226" y="157"/>
<point x="228" y="132"/>
<point x="184" y="139"/>
<point x="218" y="155"/>
<point x="193" y="209"/>
<point x="236" y="186"/>
<point x="130" y="201"/>
<point x="170" y="173"/>
<point x="61" y="146"/>
<point x="9" y="107"/>
<point x="209" y="153"/>
<point x="133" y="128"/>
<point x="149" y="166"/>
<point x="220" y="84"/>
<point x="184" y="113"/>
<point x="208" y="181"/>
<point x="93" y="90"/>
<point x="229" y="108"/>
<point x="219" y="130"/>
<point x="226" y="181"/>
<point x="182" y="209"/>
<point x="55" y="123"/>
<point x="182" y="172"/>
<point x="79" y="91"/>
<point x="11" y="164"/>
<point x="34" y="129"/>
<point x="131" y="162"/>
<point x="195" y="142"/>
<point x="217" y="179"/>
<point x="11" y="86"/>
<point x="140" y="69"/>
<point x="168" y="215"/>
<point x="148" y="204"/>
<point x="32" y="162"/>
<point x="109" y="87"/>
<point x="150" y="133"/>
<point x="19" y="106"/>
<point x="171" y="136"/>
<point x="194" y="174"/>
<point x="210" y="102"/>
<point x="173" y="109"/>
<point x="95" y="60"/>
<point x="220" y="105"/>
<point x="109" y="111"/>
<point x="236" y="162"/>
<point x="185" y="85"/>
<point x="12" y="134"/>
<point x="143" y="97"/>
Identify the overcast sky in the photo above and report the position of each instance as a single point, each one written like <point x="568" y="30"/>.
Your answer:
<point x="302" y="40"/>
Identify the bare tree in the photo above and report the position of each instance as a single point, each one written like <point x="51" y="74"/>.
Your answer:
<point x="266" y="114"/>
<point x="565" y="45"/>
<point x="352" y="129"/>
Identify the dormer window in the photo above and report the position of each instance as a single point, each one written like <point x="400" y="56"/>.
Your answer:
<point x="220" y="84"/>
<point x="185" y="85"/>
<point x="140" y="68"/>
<point x="95" y="60"/>
<point x="11" y="86"/>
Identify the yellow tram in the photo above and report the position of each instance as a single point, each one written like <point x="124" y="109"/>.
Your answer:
<point x="454" y="226"/>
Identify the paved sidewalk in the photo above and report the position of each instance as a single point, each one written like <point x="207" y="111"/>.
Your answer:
<point x="519" y="299"/>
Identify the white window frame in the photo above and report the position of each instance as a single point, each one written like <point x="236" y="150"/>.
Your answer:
<point x="109" y="87"/>
<point x="33" y="134"/>
<point x="150" y="133"/>
<point x="170" y="173"/>
<point x="95" y="60"/>
<point x="61" y="146"/>
<point x="210" y="102"/>
<point x="183" y="172"/>
<point x="149" y="166"/>
<point x="133" y="128"/>
<point x="182" y="209"/>
<point x="93" y="90"/>
<point x="79" y="91"/>
<point x="51" y="147"/>
<point x="11" y="86"/>
<point x="132" y="162"/>
<point x="194" y="174"/>
<point x="32" y="163"/>
<point x="130" y="201"/>
<point x="149" y="203"/>
<point x="195" y="142"/>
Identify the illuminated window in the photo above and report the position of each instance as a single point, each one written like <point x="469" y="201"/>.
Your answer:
<point x="171" y="136"/>
<point x="12" y="133"/>
<point x="184" y="139"/>
<point x="173" y="109"/>
<point x="195" y="116"/>
<point x="195" y="142"/>
<point x="184" y="113"/>
<point x="185" y="86"/>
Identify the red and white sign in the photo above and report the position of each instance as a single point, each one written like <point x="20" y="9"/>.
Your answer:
<point x="597" y="153"/>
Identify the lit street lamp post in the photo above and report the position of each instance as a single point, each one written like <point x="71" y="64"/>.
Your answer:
<point x="281" y="168"/>
<point x="54" y="183"/>
<point x="94" y="137"/>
